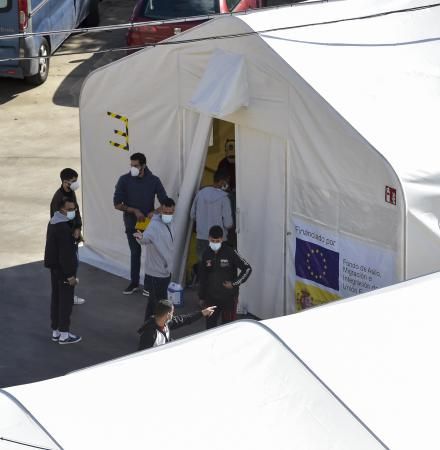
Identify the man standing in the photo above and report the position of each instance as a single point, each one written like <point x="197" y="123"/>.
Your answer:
<point x="211" y="206"/>
<point x="159" y="240"/>
<point x="61" y="258"/>
<point x="219" y="282"/>
<point x="227" y="164"/>
<point x="134" y="195"/>
<point x="69" y="184"/>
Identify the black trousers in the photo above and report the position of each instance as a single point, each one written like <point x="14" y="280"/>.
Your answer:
<point x="135" y="256"/>
<point x="61" y="303"/>
<point x="157" y="289"/>
<point x="226" y="311"/>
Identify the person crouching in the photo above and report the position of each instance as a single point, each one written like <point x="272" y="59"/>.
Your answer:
<point x="156" y="329"/>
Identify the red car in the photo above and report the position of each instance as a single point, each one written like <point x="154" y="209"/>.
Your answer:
<point x="151" y="10"/>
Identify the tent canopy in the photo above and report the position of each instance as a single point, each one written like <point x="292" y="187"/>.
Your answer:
<point x="358" y="373"/>
<point x="335" y="131"/>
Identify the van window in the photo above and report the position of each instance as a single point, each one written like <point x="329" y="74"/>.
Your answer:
<point x="5" y="5"/>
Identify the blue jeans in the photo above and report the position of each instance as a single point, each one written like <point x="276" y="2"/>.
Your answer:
<point x="135" y="259"/>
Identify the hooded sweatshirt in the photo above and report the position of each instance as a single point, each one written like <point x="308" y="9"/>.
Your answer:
<point x="211" y="207"/>
<point x="159" y="240"/>
<point x="61" y="250"/>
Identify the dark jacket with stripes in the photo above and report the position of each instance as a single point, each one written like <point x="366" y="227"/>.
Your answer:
<point x="218" y="267"/>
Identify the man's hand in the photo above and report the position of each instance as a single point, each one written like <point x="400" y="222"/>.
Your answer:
<point x="150" y="214"/>
<point x="209" y="311"/>
<point x="72" y="281"/>
<point x="228" y="285"/>
<point x="139" y="215"/>
<point x="137" y="235"/>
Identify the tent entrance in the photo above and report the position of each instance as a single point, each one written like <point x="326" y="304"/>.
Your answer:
<point x="221" y="142"/>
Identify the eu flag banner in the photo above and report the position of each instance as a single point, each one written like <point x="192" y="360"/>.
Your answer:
<point x="316" y="263"/>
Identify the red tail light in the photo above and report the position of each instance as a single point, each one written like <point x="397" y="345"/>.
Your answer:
<point x="23" y="14"/>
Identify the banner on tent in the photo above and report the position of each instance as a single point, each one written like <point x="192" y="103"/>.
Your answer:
<point x="329" y="266"/>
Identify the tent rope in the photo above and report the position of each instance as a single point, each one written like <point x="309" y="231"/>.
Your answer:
<point x="23" y="443"/>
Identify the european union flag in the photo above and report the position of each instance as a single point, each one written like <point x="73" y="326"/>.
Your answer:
<point x="317" y="264"/>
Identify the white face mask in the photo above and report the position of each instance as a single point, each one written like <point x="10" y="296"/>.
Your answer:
<point x="75" y="185"/>
<point x="71" y="215"/>
<point x="134" y="171"/>
<point x="167" y="218"/>
<point x="225" y="187"/>
<point x="215" y="246"/>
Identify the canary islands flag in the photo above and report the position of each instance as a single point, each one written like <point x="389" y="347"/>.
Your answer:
<point x="317" y="264"/>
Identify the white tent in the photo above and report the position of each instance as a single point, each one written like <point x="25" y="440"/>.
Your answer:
<point x="356" y="374"/>
<point x="336" y="134"/>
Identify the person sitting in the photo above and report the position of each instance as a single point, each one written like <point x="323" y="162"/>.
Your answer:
<point x="156" y="329"/>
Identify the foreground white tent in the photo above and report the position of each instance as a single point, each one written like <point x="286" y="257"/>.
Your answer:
<point x="336" y="138"/>
<point x="356" y="374"/>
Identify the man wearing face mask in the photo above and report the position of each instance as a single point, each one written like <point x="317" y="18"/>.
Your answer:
<point x="69" y="184"/>
<point x="218" y="278"/>
<point x="211" y="206"/>
<point x="61" y="258"/>
<point x="156" y="329"/>
<point x="159" y="241"/>
<point x="135" y="194"/>
<point x="227" y="164"/>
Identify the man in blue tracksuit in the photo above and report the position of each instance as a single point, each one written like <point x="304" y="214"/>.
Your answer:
<point x="135" y="194"/>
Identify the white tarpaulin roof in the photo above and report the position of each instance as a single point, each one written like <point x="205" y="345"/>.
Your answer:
<point x="328" y="119"/>
<point x="240" y="386"/>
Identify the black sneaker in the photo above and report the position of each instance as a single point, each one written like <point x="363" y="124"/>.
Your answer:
<point x="72" y="339"/>
<point x="131" y="288"/>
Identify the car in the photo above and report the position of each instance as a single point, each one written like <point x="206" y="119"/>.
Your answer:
<point x="35" y="16"/>
<point x="154" y="10"/>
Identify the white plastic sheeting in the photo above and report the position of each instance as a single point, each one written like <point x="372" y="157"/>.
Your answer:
<point x="378" y="352"/>
<point x="354" y="104"/>
<point x="234" y="387"/>
<point x="223" y="88"/>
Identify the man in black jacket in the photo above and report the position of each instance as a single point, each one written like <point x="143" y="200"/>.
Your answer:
<point x="69" y="184"/>
<point x="61" y="257"/>
<point x="134" y="195"/>
<point x="218" y="279"/>
<point x="156" y="330"/>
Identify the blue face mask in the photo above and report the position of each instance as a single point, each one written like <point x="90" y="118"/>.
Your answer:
<point x="71" y="215"/>
<point x="167" y="218"/>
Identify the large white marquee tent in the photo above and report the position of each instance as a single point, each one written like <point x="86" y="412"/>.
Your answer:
<point x="359" y="373"/>
<point x="336" y="139"/>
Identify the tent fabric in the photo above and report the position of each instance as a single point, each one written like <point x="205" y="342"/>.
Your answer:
<point x="377" y="352"/>
<point x="357" y="373"/>
<point x="350" y="107"/>
<point x="223" y="88"/>
<point x="238" y="378"/>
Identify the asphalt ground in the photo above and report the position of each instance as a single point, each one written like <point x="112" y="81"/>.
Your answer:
<point x="107" y="322"/>
<point x="39" y="129"/>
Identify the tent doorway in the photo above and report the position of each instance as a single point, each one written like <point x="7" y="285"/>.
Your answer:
<point x="220" y="152"/>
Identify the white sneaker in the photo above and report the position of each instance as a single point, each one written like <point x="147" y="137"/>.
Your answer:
<point x="78" y="300"/>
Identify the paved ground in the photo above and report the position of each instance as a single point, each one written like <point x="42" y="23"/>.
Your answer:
<point x="40" y="135"/>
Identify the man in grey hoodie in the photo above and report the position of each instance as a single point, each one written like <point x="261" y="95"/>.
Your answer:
<point x="159" y="240"/>
<point x="211" y="206"/>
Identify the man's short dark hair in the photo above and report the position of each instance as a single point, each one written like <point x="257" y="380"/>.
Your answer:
<point x="139" y="157"/>
<point x="216" y="232"/>
<point x="221" y="175"/>
<point x="168" y="202"/>
<point x="68" y="174"/>
<point x="163" y="307"/>
<point x="63" y="202"/>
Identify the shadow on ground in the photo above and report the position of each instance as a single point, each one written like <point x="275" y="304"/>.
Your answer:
<point x="107" y="322"/>
<point x="112" y="12"/>
<point x="11" y="88"/>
